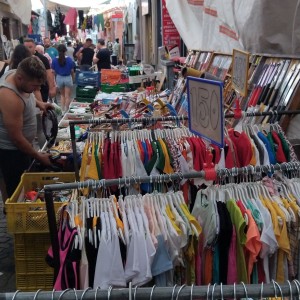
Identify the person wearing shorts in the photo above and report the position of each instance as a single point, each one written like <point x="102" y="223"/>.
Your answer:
<point x="63" y="67"/>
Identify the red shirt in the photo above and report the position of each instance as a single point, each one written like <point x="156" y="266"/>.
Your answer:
<point x="243" y="147"/>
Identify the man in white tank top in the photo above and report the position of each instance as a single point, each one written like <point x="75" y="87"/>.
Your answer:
<point x="18" y="120"/>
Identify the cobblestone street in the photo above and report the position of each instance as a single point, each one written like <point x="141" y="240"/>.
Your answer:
<point x="7" y="261"/>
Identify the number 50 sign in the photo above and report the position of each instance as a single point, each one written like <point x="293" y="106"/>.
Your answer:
<point x="205" y="109"/>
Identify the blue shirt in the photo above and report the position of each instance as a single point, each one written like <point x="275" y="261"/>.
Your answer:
<point x="268" y="146"/>
<point x="63" y="70"/>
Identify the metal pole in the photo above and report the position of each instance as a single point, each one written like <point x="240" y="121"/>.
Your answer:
<point x="45" y="17"/>
<point x="267" y="113"/>
<point x="168" y="177"/>
<point x="53" y="231"/>
<point x="127" y="120"/>
<point x="237" y="291"/>
<point x="74" y="149"/>
<point x="175" y="118"/>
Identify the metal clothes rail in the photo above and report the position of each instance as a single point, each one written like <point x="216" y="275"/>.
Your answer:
<point x="236" y="291"/>
<point x="95" y="184"/>
<point x="153" y="121"/>
<point x="265" y="113"/>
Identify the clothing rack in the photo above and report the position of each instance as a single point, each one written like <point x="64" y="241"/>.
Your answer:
<point x="112" y="121"/>
<point x="153" y="121"/>
<point x="127" y="181"/>
<point x="259" y="291"/>
<point x="265" y="113"/>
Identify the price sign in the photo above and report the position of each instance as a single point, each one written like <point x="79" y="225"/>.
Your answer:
<point x="240" y="67"/>
<point x="205" y="109"/>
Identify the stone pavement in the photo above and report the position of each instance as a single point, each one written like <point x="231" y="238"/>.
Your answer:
<point x="7" y="259"/>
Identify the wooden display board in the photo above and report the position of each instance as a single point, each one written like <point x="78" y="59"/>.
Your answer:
<point x="239" y="72"/>
<point x="220" y="65"/>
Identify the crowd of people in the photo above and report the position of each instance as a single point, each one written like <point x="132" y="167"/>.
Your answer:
<point x="33" y="75"/>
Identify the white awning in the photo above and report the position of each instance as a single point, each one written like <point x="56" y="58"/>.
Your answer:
<point x="79" y="3"/>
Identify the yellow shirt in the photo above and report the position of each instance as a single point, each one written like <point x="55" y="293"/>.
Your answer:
<point x="283" y="243"/>
<point x="92" y="171"/>
<point x="172" y="219"/>
<point x="194" y="223"/>
<point x="167" y="168"/>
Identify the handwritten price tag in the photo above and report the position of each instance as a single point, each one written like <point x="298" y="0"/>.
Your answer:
<point x="205" y="109"/>
<point x="240" y="67"/>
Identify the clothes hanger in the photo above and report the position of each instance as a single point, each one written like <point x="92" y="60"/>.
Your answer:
<point x="159" y="216"/>
<point x="95" y="242"/>
<point x="146" y="203"/>
<point x="191" y="219"/>
<point x="130" y="214"/>
<point x="113" y="207"/>
<point x="121" y="205"/>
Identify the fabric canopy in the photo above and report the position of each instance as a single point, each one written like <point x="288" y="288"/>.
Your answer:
<point x="79" y="3"/>
<point x="258" y="26"/>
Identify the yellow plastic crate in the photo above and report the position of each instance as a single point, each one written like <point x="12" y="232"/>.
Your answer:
<point x="24" y="217"/>
<point x="32" y="271"/>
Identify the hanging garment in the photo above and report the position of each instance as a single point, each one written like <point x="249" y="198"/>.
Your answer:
<point x="68" y="276"/>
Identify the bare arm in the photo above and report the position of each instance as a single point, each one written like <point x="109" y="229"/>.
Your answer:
<point x="73" y="75"/>
<point x="43" y="106"/>
<point x="78" y="53"/>
<point x="51" y="83"/>
<point x="38" y="95"/>
<point x="12" y="112"/>
<point x="95" y="58"/>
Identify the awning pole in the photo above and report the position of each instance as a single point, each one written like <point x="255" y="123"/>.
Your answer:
<point x="45" y="17"/>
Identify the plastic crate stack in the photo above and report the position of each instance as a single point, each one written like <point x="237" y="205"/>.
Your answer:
<point x="113" y="81"/>
<point x="87" y="85"/>
<point x="28" y="222"/>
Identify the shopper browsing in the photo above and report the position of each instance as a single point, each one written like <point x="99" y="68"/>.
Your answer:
<point x="137" y="50"/>
<point x="20" y="53"/>
<point x="117" y="49"/>
<point x="48" y="89"/>
<point x="102" y="56"/>
<point x="63" y="67"/>
<point x="18" y="120"/>
<point x="40" y="49"/>
<point x="85" y="55"/>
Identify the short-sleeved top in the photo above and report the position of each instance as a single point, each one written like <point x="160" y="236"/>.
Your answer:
<point x="104" y="59"/>
<point x="63" y="70"/>
<point x="239" y="223"/>
<point x="87" y="56"/>
<point x="44" y="87"/>
<point x="70" y="52"/>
